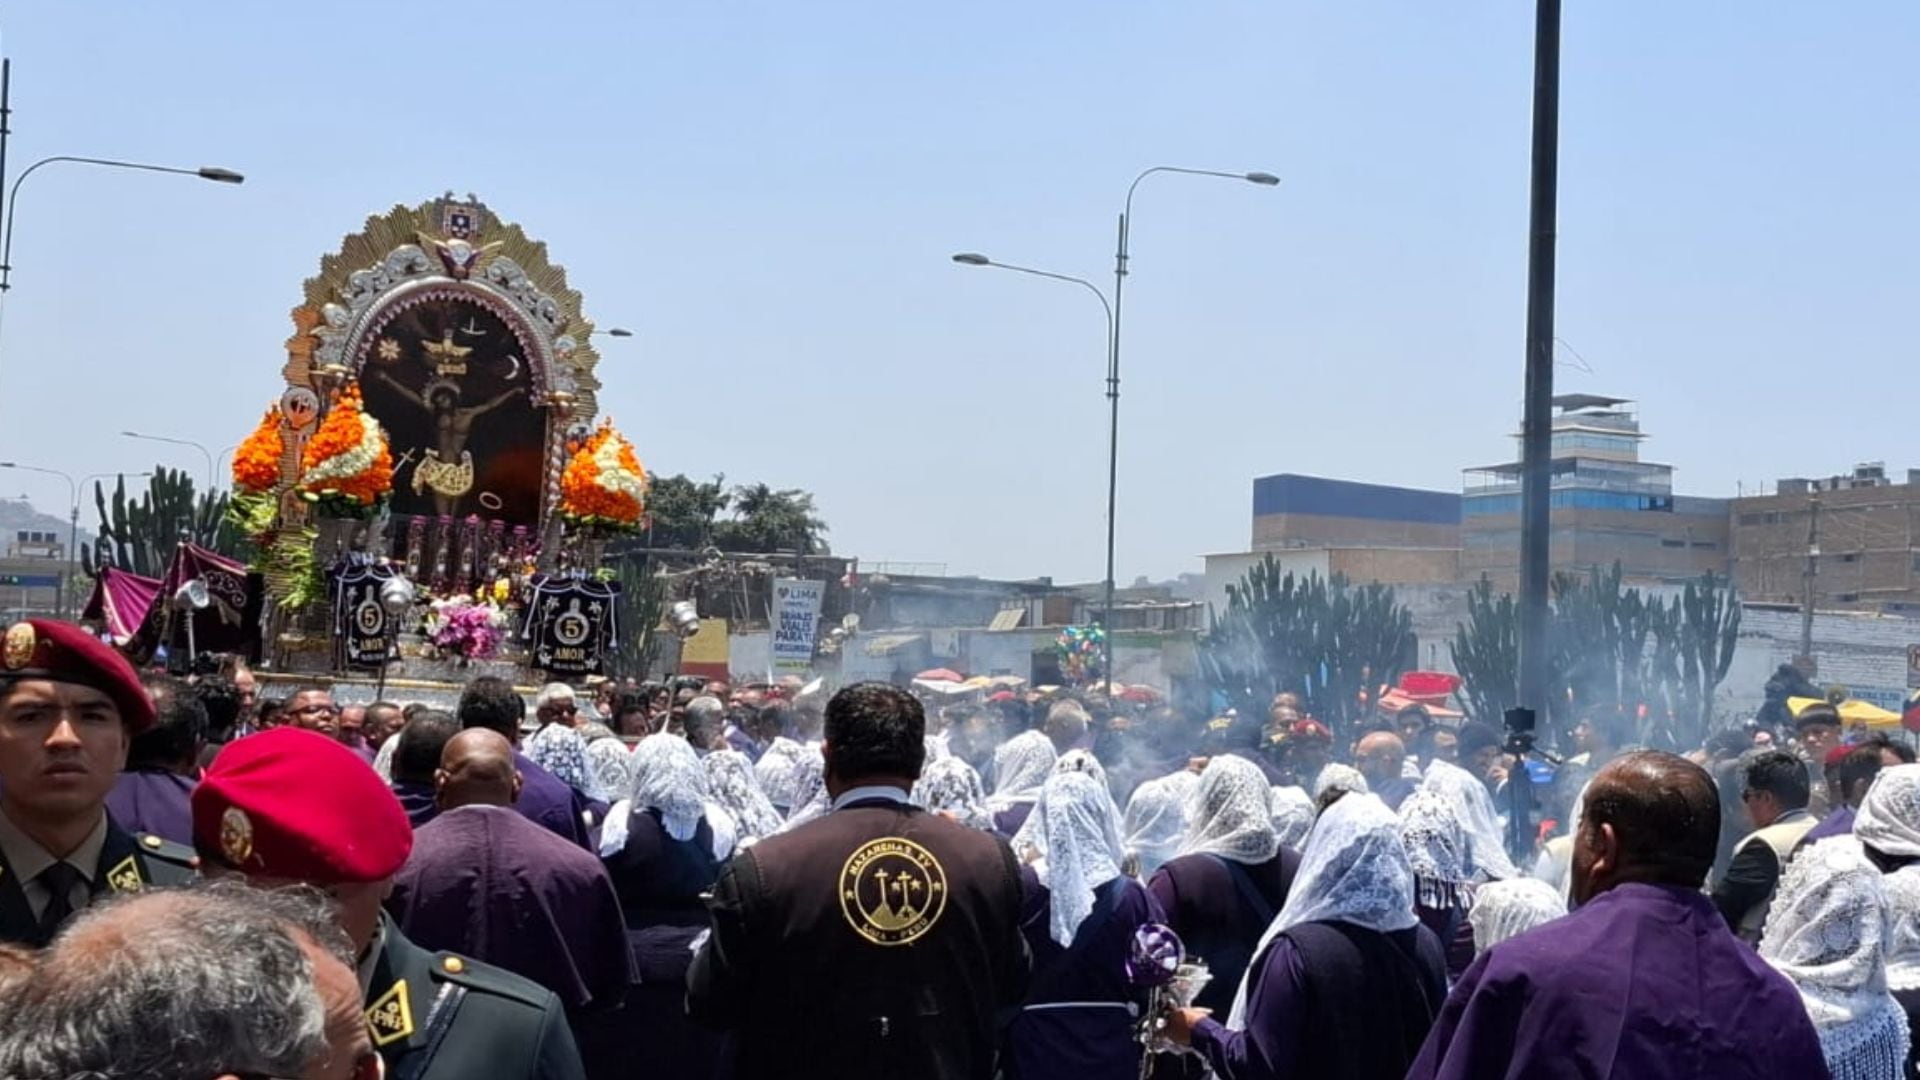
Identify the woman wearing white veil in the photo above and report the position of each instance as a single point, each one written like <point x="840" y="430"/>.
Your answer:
<point x="664" y="846"/>
<point x="1020" y="766"/>
<point x="1030" y="842"/>
<point x="1079" y="916"/>
<point x="950" y="786"/>
<point x="1486" y="847"/>
<point x="1827" y="932"/>
<point x="1155" y="820"/>
<point x="1903" y="952"/>
<point x="1292" y="814"/>
<point x="1345" y="982"/>
<point x="731" y="779"/>
<point x="1230" y="874"/>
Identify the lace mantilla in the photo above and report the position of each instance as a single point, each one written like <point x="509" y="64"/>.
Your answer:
<point x="1292" y="815"/>
<point x="1082" y="848"/>
<point x="1486" y="851"/>
<point x="951" y="786"/>
<point x="1020" y="766"/>
<point x="1156" y="819"/>
<point x="1826" y="931"/>
<point x="1354" y="870"/>
<point x="1889" y="819"/>
<point x="731" y="779"/>
<point x="1504" y="909"/>
<point x="1231" y="813"/>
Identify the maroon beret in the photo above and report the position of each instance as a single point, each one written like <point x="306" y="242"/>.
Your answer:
<point x="63" y="652"/>
<point x="293" y="804"/>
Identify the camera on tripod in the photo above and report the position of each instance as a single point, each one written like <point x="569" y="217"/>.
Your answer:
<point x="1519" y="728"/>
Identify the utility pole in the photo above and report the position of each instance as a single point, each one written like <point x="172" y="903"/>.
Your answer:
<point x="1807" y="664"/>
<point x="1536" y="448"/>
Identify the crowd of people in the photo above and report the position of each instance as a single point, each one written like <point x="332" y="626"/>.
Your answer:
<point x="778" y="881"/>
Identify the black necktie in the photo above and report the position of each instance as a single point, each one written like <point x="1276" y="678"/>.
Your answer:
<point x="59" y="880"/>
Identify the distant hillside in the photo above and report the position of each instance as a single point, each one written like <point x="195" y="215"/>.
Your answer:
<point x="17" y="514"/>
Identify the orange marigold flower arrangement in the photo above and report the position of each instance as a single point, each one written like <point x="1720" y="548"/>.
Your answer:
<point x="256" y="462"/>
<point x="347" y="461"/>
<point x="603" y="483"/>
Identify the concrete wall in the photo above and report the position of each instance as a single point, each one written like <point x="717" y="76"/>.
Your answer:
<point x="1865" y="653"/>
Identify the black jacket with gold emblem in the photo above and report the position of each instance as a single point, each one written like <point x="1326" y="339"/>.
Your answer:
<point x="879" y="940"/>
<point x="129" y="862"/>
<point x="438" y="1016"/>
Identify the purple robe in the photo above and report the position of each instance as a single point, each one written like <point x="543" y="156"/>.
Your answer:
<point x="1837" y="823"/>
<point x="485" y="882"/>
<point x="1007" y="822"/>
<point x="153" y="801"/>
<point x="1642" y="981"/>
<point x="1394" y="791"/>
<point x="738" y="739"/>
<point x="418" y="800"/>
<point x="1211" y="905"/>
<point x="549" y="801"/>
<point x="1091" y="1038"/>
<point x="1333" y="1000"/>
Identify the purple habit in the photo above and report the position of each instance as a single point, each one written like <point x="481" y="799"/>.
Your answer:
<point x="1220" y="909"/>
<point x="418" y="800"/>
<point x="1007" y="822"/>
<point x="487" y="883"/>
<point x="1837" y="823"/>
<point x="1643" y="981"/>
<point x="153" y="801"/>
<point x="1077" y="1020"/>
<point x="549" y="801"/>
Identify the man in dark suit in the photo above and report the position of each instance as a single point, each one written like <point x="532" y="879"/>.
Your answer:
<point x="296" y="807"/>
<point x="69" y="707"/>
<point x="877" y="940"/>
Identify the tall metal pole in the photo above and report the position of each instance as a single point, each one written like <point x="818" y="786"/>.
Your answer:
<point x="1536" y="430"/>
<point x="1113" y="440"/>
<point x="1808" y="667"/>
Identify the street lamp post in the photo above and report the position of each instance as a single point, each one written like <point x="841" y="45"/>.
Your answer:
<point x="73" y="517"/>
<point x="178" y="442"/>
<point x="970" y="258"/>
<point x="205" y="172"/>
<point x="1113" y="366"/>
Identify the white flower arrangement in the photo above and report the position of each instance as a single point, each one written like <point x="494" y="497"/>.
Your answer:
<point x="350" y="462"/>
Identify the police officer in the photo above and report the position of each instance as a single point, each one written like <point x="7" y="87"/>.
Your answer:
<point x="290" y="806"/>
<point x="69" y="707"/>
<point x="878" y="940"/>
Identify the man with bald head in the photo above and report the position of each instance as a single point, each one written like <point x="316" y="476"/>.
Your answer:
<point x="1380" y="756"/>
<point x="484" y="881"/>
<point x="476" y="769"/>
<point x="1643" y="979"/>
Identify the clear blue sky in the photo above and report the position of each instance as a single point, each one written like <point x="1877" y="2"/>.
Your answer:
<point x="768" y="194"/>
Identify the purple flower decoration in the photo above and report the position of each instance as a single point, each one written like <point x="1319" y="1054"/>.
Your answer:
<point x="1156" y="955"/>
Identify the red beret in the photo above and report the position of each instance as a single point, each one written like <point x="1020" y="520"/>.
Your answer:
<point x="296" y="805"/>
<point x="63" y="652"/>
<point x="1839" y="753"/>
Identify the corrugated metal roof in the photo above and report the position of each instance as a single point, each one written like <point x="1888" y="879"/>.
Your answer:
<point x="888" y="644"/>
<point x="1008" y="619"/>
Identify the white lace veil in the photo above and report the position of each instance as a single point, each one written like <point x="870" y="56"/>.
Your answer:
<point x="780" y="771"/>
<point x="731" y="778"/>
<point x="1082" y="848"/>
<point x="810" y="799"/>
<point x="1354" y="870"/>
<point x="1903" y="915"/>
<point x="1292" y="814"/>
<point x="1889" y="817"/>
<point x="1020" y="766"/>
<point x="1231" y="813"/>
<point x="951" y="786"/>
<point x="560" y="750"/>
<point x="612" y="765"/>
<point x="1502" y="909"/>
<point x="1336" y="775"/>
<point x="1030" y="838"/>
<point x="1156" y="818"/>
<point x="1486" y="850"/>
<point x="1826" y="931"/>
<point x="1436" y="850"/>
<point x="668" y="777"/>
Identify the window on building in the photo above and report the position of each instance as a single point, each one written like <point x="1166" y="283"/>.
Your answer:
<point x="1704" y="545"/>
<point x="1673" y="543"/>
<point x="1848" y="598"/>
<point x="1750" y="519"/>
<point x="1851" y="556"/>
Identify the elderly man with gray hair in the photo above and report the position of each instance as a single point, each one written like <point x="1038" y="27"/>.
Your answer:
<point x="707" y="724"/>
<point x="218" y="980"/>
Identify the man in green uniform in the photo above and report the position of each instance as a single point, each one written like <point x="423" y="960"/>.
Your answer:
<point x="294" y="807"/>
<point x="69" y="707"/>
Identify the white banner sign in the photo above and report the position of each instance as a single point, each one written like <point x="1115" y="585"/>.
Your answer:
<point x="796" y="622"/>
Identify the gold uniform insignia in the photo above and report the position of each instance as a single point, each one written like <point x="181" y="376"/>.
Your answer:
<point x="892" y="891"/>
<point x="390" y="1017"/>
<point x="125" y="876"/>
<point x="236" y="836"/>
<point x="17" y="651"/>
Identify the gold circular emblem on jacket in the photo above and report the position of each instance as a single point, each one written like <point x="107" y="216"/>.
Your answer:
<point x="892" y="891"/>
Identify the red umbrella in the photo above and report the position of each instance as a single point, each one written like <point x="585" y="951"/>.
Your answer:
<point x="941" y="674"/>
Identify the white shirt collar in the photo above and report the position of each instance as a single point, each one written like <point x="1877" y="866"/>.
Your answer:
<point x="872" y="791"/>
